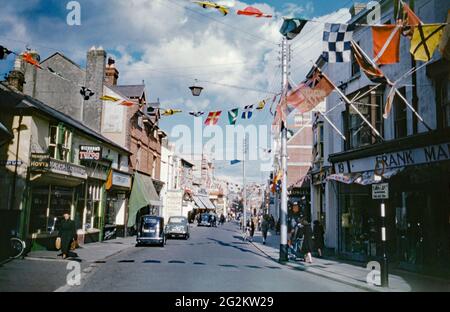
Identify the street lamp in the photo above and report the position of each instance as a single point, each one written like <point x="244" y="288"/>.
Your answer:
<point x="196" y="90"/>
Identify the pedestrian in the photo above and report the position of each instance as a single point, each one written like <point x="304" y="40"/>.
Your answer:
<point x="272" y="222"/>
<point x="252" y="228"/>
<point x="318" y="233"/>
<point x="278" y="227"/>
<point x="307" y="245"/>
<point x="67" y="233"/>
<point x="265" y="224"/>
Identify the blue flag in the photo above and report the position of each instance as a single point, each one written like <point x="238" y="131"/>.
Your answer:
<point x="234" y="162"/>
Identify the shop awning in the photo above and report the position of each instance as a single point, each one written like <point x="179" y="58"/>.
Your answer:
<point x="198" y="202"/>
<point x="205" y="200"/>
<point x="363" y="178"/>
<point x="5" y="135"/>
<point x="143" y="194"/>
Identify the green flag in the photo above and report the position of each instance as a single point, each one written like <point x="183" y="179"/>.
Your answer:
<point x="233" y="115"/>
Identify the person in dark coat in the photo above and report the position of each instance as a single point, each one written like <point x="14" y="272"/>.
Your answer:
<point x="67" y="233"/>
<point x="318" y="233"/>
<point x="307" y="245"/>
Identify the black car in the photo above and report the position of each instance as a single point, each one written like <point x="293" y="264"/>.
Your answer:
<point x="205" y="219"/>
<point x="151" y="231"/>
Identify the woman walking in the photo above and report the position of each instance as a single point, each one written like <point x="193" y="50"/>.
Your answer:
<point x="67" y="233"/>
<point x="307" y="245"/>
<point x="265" y="225"/>
<point x="318" y="232"/>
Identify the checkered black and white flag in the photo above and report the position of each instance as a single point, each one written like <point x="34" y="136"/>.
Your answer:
<point x="337" y="42"/>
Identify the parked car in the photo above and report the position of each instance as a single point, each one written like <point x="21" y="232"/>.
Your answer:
<point x="177" y="227"/>
<point x="205" y="220"/>
<point x="151" y="231"/>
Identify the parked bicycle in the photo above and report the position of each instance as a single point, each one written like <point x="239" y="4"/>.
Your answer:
<point x="16" y="246"/>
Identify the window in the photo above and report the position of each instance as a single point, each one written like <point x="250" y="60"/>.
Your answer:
<point x="355" y="66"/>
<point x="140" y="122"/>
<point x="400" y="121"/>
<point x="60" y="143"/>
<point x="53" y="141"/>
<point x="442" y="103"/>
<point x="358" y="132"/>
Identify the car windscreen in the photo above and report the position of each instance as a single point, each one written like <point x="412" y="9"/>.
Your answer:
<point x="150" y="223"/>
<point x="205" y="217"/>
<point x="177" y="220"/>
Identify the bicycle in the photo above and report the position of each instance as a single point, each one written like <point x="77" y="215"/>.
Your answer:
<point x="16" y="247"/>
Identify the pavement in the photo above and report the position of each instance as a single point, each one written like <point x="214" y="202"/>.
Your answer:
<point x="351" y="273"/>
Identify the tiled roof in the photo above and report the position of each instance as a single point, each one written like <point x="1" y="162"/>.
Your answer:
<point x="130" y="91"/>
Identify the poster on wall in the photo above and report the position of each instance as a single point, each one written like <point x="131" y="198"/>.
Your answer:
<point x="113" y="118"/>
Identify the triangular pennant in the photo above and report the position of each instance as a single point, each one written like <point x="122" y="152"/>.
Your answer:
<point x="233" y="115"/>
<point x="261" y="105"/>
<point x="196" y="114"/>
<point x="292" y="27"/>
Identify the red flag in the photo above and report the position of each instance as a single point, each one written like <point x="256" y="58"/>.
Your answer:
<point x="372" y="71"/>
<point x="251" y="11"/>
<point x="386" y="44"/>
<point x="127" y="103"/>
<point x="27" y="57"/>
<point x="410" y="21"/>
<point x="315" y="90"/>
<point x="213" y="118"/>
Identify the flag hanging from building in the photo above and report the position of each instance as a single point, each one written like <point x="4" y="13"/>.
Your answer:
<point x="315" y="89"/>
<point x="425" y="40"/>
<point x="386" y="43"/>
<point x="170" y="112"/>
<point x="261" y="105"/>
<point x="372" y="71"/>
<point x="233" y="116"/>
<point x="292" y="27"/>
<point x="248" y="112"/>
<point x="196" y="114"/>
<point x="213" y="118"/>
<point x="336" y="42"/>
<point x="410" y="20"/>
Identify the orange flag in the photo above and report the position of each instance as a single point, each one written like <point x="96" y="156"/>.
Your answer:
<point x="386" y="44"/>
<point x="213" y="118"/>
<point x="315" y="90"/>
<point x="27" y="57"/>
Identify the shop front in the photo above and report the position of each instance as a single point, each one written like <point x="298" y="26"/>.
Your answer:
<point x="417" y="208"/>
<point x="118" y="188"/>
<point x="54" y="190"/>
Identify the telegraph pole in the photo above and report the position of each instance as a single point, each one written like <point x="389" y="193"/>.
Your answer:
<point x="283" y="212"/>
<point x="245" y="188"/>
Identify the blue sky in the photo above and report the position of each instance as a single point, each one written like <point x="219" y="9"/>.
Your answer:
<point x="167" y="44"/>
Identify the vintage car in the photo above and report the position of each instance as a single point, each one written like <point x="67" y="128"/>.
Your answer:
<point x="151" y="231"/>
<point x="177" y="227"/>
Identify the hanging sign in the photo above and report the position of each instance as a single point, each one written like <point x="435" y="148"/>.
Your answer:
<point x="380" y="191"/>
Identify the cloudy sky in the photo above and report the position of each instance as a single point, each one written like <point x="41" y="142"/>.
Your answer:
<point x="170" y="43"/>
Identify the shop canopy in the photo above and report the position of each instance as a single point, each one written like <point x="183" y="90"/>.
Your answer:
<point x="143" y="193"/>
<point x="363" y="178"/>
<point x="198" y="202"/>
<point x="5" y="135"/>
<point x="206" y="202"/>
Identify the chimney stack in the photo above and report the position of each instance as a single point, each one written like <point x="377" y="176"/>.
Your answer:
<point x="16" y="77"/>
<point x="111" y="73"/>
<point x="95" y="76"/>
<point x="357" y="8"/>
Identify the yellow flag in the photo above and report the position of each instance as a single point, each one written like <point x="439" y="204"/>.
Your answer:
<point x="170" y="112"/>
<point x="261" y="105"/>
<point x="109" y="98"/>
<point x="425" y="40"/>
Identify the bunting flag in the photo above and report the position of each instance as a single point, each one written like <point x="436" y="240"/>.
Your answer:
<point x="209" y="4"/>
<point x="292" y="27"/>
<point x="276" y="181"/>
<point x="410" y="20"/>
<point x="372" y="71"/>
<point x="336" y="42"/>
<point x="86" y="93"/>
<point x="251" y="11"/>
<point x="27" y="57"/>
<point x="261" y="105"/>
<point x="234" y="162"/>
<point x="248" y="112"/>
<point x="314" y="90"/>
<point x="109" y="98"/>
<point x="425" y="40"/>
<point x="4" y="52"/>
<point x="213" y="118"/>
<point x="127" y="103"/>
<point x="233" y="115"/>
<point x="294" y="97"/>
<point x="196" y="114"/>
<point x="386" y="43"/>
<point x="170" y="112"/>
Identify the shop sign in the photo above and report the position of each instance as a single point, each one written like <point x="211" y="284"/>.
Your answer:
<point x="7" y="163"/>
<point x="120" y="179"/>
<point x="89" y="152"/>
<point x="400" y="159"/>
<point x="62" y="167"/>
<point x="380" y="191"/>
<point x="40" y="162"/>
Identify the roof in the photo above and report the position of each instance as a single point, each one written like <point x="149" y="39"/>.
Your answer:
<point x="64" y="57"/>
<point x="32" y="103"/>
<point x="130" y="91"/>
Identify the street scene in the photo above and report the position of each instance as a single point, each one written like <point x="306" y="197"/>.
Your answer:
<point x="224" y="146"/>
